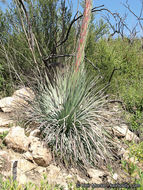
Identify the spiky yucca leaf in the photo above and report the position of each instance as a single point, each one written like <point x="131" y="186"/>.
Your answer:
<point x="70" y="116"/>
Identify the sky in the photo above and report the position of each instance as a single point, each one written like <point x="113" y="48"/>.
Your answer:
<point x="118" y="6"/>
<point x="112" y="5"/>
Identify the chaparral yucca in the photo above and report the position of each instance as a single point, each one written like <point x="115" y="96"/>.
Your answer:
<point x="70" y="114"/>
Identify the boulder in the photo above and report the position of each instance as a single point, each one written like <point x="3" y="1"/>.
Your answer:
<point x="53" y="171"/>
<point x="17" y="140"/>
<point x="39" y="153"/>
<point x="5" y="163"/>
<point x="6" y="120"/>
<point x="7" y="104"/>
<point x="35" y="133"/>
<point x="56" y="176"/>
<point x="123" y="131"/>
<point x="28" y="156"/>
<point x="24" y="93"/>
<point x="22" y="96"/>
<point x="96" y="175"/>
<point x="24" y="171"/>
<point x="19" y="98"/>
<point x="35" y="150"/>
<point x="4" y="159"/>
<point x="29" y="172"/>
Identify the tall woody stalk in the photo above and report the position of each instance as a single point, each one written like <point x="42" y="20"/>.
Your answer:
<point x="83" y="33"/>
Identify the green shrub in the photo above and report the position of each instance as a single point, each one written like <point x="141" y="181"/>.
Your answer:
<point x="135" y="174"/>
<point x="137" y="151"/>
<point x="127" y="81"/>
<point x="136" y="122"/>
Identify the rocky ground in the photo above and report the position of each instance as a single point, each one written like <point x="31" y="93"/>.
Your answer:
<point x="26" y="157"/>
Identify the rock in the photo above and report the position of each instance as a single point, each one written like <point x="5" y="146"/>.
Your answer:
<point x="28" y="156"/>
<point x="6" y="119"/>
<point x="19" y="98"/>
<point x="25" y="170"/>
<point x="57" y="176"/>
<point x="123" y="131"/>
<point x="35" y="150"/>
<point x="54" y="175"/>
<point x="53" y="171"/>
<point x="7" y="104"/>
<point x="40" y="153"/>
<point x="96" y="175"/>
<point x="28" y="172"/>
<point x="121" y="147"/>
<point x="24" y="93"/>
<point x="5" y="163"/>
<point x="4" y="159"/>
<point x="17" y="140"/>
<point x="115" y="176"/>
<point x="22" y="96"/>
<point x="35" y="133"/>
<point x="81" y="180"/>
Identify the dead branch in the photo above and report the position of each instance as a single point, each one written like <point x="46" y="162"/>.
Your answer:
<point x="120" y="102"/>
<point x="93" y="65"/>
<point x="119" y="26"/>
<point x="95" y="9"/>
<point x="138" y="17"/>
<point x="111" y="76"/>
<point x="47" y="59"/>
<point x="133" y="13"/>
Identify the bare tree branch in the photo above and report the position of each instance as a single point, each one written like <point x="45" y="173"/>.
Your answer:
<point x="131" y="11"/>
<point x="75" y="19"/>
<point x="120" y="102"/>
<point x="93" y="65"/>
<point x="55" y="56"/>
<point x="111" y="76"/>
<point x="139" y="18"/>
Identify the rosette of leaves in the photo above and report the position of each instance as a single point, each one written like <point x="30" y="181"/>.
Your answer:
<point x="71" y="115"/>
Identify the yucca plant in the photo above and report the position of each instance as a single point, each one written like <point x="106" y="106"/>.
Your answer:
<point x="70" y="114"/>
